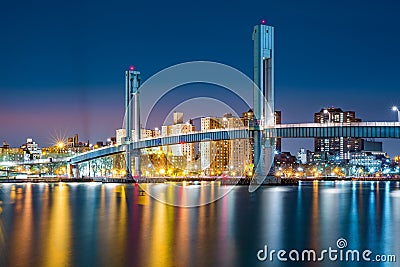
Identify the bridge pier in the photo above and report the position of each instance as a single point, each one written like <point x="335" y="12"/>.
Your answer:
<point x="73" y="170"/>
<point x="69" y="170"/>
<point x="263" y="101"/>
<point x="259" y="173"/>
<point x="76" y="167"/>
<point x="263" y="155"/>
<point x="137" y="172"/>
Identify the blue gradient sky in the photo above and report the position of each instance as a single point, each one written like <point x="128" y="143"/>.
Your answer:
<point x="62" y="62"/>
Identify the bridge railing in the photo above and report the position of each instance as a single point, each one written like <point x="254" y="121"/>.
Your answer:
<point x="33" y="162"/>
<point x="334" y="124"/>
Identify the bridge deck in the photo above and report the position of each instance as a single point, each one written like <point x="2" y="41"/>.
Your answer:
<point x="302" y="130"/>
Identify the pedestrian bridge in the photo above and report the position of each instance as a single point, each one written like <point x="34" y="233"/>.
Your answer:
<point x="300" y="130"/>
<point x="328" y="130"/>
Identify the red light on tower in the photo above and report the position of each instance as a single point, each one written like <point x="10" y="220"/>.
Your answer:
<point x="263" y="22"/>
<point x="131" y="68"/>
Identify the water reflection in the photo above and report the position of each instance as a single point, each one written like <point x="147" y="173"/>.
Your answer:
<point x="315" y="215"/>
<point x="186" y="194"/>
<point x="161" y="238"/>
<point x="113" y="225"/>
<point x="353" y="215"/>
<point x="57" y="236"/>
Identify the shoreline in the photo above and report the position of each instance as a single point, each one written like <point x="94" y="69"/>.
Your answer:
<point x="224" y="181"/>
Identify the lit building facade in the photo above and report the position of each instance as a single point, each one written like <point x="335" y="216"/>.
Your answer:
<point x="73" y="141"/>
<point x="74" y="145"/>
<point x="120" y="134"/>
<point x="8" y="153"/>
<point x="302" y="156"/>
<point x="371" y="157"/>
<point x="31" y="150"/>
<point x="371" y="160"/>
<point x="230" y="157"/>
<point x="340" y="146"/>
<point x="179" y="154"/>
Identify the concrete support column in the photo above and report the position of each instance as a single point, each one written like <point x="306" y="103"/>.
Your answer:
<point x="137" y="172"/>
<point x="76" y="170"/>
<point x="259" y="173"/>
<point x="132" y="83"/>
<point x="128" y="123"/>
<point x="69" y="171"/>
<point x="263" y="95"/>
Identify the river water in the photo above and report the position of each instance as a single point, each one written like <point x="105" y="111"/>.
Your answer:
<point x="94" y="224"/>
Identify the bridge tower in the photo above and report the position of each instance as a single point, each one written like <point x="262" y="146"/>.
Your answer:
<point x="132" y="83"/>
<point x="263" y="97"/>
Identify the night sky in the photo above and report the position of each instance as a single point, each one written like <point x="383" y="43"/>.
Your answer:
<point x="62" y="63"/>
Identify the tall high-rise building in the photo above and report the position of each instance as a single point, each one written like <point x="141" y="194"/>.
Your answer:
<point x="178" y="117"/>
<point x="340" y="146"/>
<point x="73" y="141"/>
<point x="214" y="155"/>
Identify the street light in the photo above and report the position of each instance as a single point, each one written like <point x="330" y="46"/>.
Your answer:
<point x="60" y="146"/>
<point x="394" y="108"/>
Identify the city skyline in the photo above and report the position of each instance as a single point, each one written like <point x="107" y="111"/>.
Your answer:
<point x="71" y="97"/>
